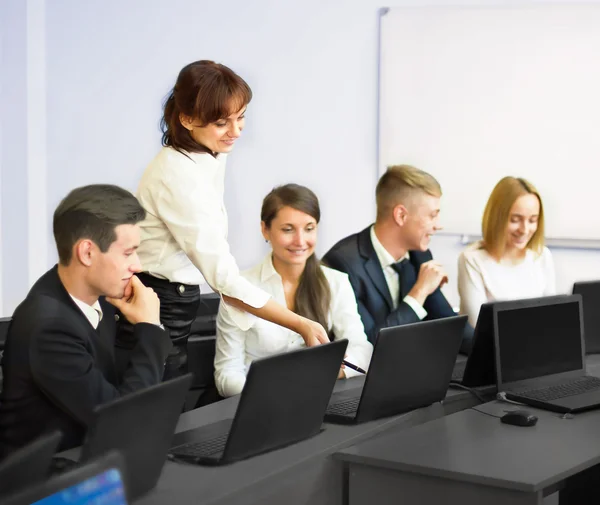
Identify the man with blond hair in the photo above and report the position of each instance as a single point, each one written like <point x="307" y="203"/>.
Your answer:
<point x="394" y="276"/>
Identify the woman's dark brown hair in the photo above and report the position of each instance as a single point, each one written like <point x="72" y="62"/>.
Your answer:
<point x="313" y="295"/>
<point x="205" y="91"/>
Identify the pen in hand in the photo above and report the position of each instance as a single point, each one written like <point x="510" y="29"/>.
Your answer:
<point x="354" y="367"/>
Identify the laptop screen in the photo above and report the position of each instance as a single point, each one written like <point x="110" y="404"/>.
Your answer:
<point x="590" y="292"/>
<point x="539" y="340"/>
<point x="105" y="488"/>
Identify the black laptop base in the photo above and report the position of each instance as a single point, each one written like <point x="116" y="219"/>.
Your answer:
<point x="569" y="405"/>
<point x="213" y="436"/>
<point x="350" y="418"/>
<point x="347" y="415"/>
<point x="578" y="395"/>
<point x="210" y="440"/>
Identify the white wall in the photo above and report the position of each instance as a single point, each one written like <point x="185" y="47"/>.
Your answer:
<point x="312" y="65"/>
<point x="13" y="153"/>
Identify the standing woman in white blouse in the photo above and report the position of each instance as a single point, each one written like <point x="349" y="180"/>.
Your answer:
<point x="184" y="237"/>
<point x="292" y="275"/>
<point x="511" y="261"/>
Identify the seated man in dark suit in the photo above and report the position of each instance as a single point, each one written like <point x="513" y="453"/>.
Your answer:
<point x="59" y="359"/>
<point x="395" y="279"/>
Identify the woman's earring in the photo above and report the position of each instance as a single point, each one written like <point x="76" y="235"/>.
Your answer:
<point x="267" y="240"/>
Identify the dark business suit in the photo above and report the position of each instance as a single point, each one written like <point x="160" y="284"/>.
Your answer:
<point x="58" y="368"/>
<point x="356" y="256"/>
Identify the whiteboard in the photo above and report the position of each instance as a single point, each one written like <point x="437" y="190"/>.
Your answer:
<point x="472" y="94"/>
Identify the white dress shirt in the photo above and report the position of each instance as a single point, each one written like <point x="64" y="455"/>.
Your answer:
<point x="392" y="277"/>
<point x="93" y="313"/>
<point x="184" y="235"/>
<point x="482" y="279"/>
<point x="236" y="349"/>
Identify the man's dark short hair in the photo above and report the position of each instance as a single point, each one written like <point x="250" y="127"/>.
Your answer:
<point x="93" y="212"/>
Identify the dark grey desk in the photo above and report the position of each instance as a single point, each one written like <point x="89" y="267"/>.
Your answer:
<point x="301" y="474"/>
<point x="472" y="458"/>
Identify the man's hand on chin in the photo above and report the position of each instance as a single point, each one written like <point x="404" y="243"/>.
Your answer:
<point x="142" y="305"/>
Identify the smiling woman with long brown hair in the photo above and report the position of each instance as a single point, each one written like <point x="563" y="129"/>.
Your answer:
<point x="294" y="277"/>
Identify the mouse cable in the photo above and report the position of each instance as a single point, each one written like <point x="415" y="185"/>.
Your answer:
<point x="486" y="413"/>
<point x="474" y="392"/>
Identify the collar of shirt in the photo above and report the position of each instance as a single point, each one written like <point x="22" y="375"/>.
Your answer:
<point x="267" y="270"/>
<point x="194" y="155"/>
<point x="384" y="257"/>
<point x="93" y="313"/>
<point x="272" y="283"/>
<point x="391" y="276"/>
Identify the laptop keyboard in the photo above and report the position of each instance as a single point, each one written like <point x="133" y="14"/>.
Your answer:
<point x="203" y="448"/>
<point x="344" y="407"/>
<point x="576" y="387"/>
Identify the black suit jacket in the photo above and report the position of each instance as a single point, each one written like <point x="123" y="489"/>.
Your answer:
<point x="58" y="368"/>
<point x="356" y="256"/>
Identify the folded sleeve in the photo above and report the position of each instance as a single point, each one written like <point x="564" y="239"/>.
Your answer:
<point x="416" y="306"/>
<point x="230" y="354"/>
<point x="192" y="211"/>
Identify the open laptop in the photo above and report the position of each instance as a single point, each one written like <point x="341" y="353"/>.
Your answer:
<point x="590" y="294"/>
<point x="29" y="464"/>
<point x="283" y="401"/>
<point x="140" y="425"/>
<point x="410" y="368"/>
<point x="540" y="355"/>
<point x="478" y="369"/>
<point x="100" y="481"/>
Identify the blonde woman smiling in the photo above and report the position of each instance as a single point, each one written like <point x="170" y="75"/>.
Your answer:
<point x="511" y="261"/>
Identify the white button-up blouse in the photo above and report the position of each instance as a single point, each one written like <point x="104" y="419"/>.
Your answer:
<point x="184" y="235"/>
<point x="235" y="348"/>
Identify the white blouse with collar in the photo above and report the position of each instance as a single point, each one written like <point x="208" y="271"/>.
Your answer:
<point x="482" y="279"/>
<point x="235" y="349"/>
<point x="184" y="235"/>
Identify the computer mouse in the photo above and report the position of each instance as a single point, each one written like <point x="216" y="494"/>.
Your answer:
<point x="519" y="418"/>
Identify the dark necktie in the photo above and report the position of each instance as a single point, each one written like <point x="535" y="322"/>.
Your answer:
<point x="407" y="276"/>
